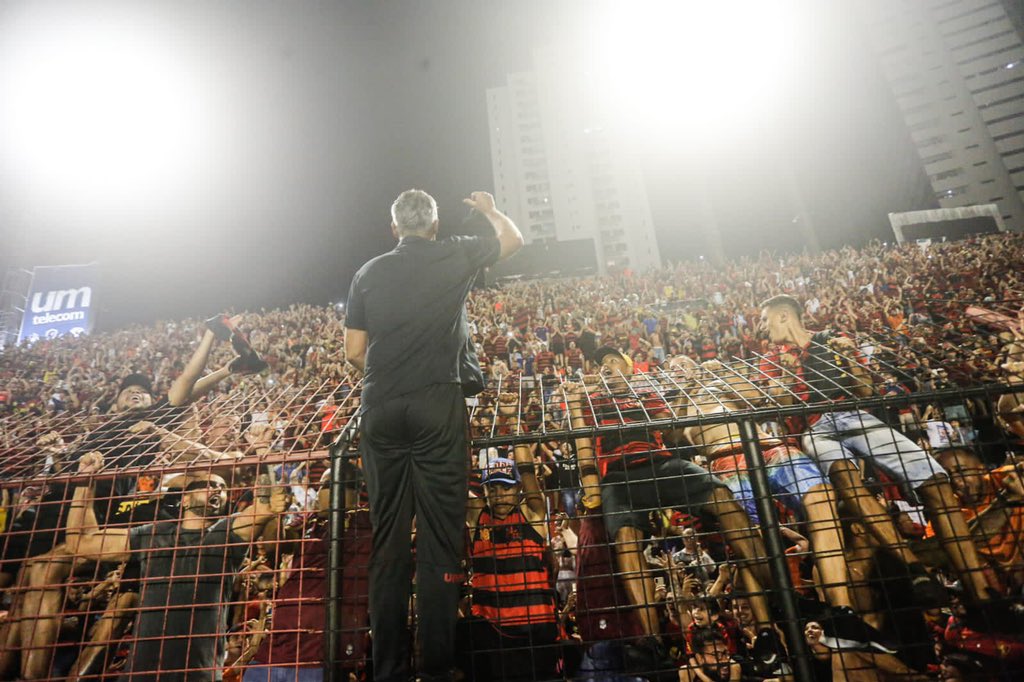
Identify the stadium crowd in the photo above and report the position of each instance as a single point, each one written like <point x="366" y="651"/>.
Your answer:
<point x="235" y="466"/>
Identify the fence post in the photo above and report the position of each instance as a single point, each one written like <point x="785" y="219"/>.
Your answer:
<point x="798" y="653"/>
<point x="335" y="550"/>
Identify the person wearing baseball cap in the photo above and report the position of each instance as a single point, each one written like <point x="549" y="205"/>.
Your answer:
<point x="136" y="379"/>
<point x="130" y="438"/>
<point x="501" y="470"/>
<point x="605" y="351"/>
<point x="513" y="630"/>
<point x="616" y="368"/>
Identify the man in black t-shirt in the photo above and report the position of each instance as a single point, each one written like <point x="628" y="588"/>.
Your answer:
<point x="140" y="431"/>
<point x="406" y="329"/>
<point x="187" y="568"/>
<point x="40" y="540"/>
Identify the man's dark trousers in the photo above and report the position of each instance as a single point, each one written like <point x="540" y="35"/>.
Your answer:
<point x="415" y="459"/>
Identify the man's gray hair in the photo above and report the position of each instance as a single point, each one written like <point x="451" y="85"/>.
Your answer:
<point x="414" y="212"/>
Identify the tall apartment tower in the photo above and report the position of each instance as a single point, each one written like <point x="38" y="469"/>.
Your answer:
<point x="956" y="68"/>
<point x="561" y="176"/>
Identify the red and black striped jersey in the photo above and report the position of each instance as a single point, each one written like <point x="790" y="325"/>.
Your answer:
<point x="511" y="581"/>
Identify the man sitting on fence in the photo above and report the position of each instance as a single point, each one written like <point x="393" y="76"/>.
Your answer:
<point x="638" y="474"/>
<point x="822" y="367"/>
<point x="794" y="479"/>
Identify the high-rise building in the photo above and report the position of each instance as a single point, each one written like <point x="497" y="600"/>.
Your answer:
<point x="559" y="173"/>
<point x="518" y="157"/>
<point x="956" y="68"/>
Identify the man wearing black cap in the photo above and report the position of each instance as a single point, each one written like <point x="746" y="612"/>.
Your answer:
<point x="139" y="432"/>
<point x="406" y="330"/>
<point x="122" y="440"/>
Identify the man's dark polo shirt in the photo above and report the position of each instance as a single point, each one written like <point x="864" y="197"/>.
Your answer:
<point x="411" y="303"/>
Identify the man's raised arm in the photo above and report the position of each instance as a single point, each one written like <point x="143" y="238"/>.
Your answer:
<point x="586" y="458"/>
<point x="509" y="236"/>
<point x="270" y="502"/>
<point x="84" y="537"/>
<point x="532" y="495"/>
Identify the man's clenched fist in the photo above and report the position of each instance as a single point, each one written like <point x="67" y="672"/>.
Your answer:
<point x="90" y="463"/>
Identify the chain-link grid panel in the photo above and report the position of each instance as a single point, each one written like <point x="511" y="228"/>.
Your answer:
<point x="630" y="524"/>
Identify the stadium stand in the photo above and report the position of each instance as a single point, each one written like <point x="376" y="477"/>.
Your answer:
<point x="669" y="480"/>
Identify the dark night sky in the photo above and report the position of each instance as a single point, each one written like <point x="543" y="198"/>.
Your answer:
<point x="326" y="111"/>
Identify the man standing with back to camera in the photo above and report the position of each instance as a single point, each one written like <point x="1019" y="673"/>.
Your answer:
<point x="406" y="330"/>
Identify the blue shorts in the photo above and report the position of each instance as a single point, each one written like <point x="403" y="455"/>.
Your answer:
<point x="858" y="435"/>
<point x="268" y="673"/>
<point x="791" y="474"/>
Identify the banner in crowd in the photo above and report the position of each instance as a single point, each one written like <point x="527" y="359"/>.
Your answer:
<point x="60" y="301"/>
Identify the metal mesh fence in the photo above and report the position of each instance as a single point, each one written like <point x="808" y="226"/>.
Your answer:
<point x="194" y="528"/>
<point x="845" y="510"/>
<point x="866" y="559"/>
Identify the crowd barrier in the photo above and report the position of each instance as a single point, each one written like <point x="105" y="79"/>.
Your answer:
<point x="626" y="559"/>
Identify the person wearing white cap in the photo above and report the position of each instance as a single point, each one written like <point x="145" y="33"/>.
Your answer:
<point x="513" y="630"/>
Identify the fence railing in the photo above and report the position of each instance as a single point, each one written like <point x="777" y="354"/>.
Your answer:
<point x="679" y="518"/>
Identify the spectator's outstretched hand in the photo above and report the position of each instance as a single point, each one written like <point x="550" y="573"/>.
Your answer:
<point x="51" y="439"/>
<point x="574" y="392"/>
<point x="260" y="434"/>
<point x="1015" y="368"/>
<point x="842" y="343"/>
<point x="278" y="500"/>
<point x="276" y="494"/>
<point x="708" y="365"/>
<point x="684" y="364"/>
<point x="142" y="428"/>
<point x="692" y="585"/>
<point x="1013" y="486"/>
<point x="90" y="463"/>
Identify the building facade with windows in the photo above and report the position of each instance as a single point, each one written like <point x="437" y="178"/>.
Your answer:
<point x="561" y="175"/>
<point x="956" y="68"/>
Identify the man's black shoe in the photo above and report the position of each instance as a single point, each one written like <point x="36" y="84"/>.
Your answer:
<point x="925" y="588"/>
<point x="648" y="659"/>
<point x="842" y="622"/>
<point x="250" y="363"/>
<point x="768" y="652"/>
<point x="240" y="342"/>
<point x="248" y="360"/>
<point x="806" y="608"/>
<point x="218" y="324"/>
<point x="998" y="615"/>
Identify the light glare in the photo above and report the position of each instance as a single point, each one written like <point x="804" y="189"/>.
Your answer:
<point x="694" y="67"/>
<point x="97" y="112"/>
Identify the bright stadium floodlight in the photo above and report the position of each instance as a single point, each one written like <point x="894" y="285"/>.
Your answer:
<point x="693" y="69"/>
<point x="99" y="109"/>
